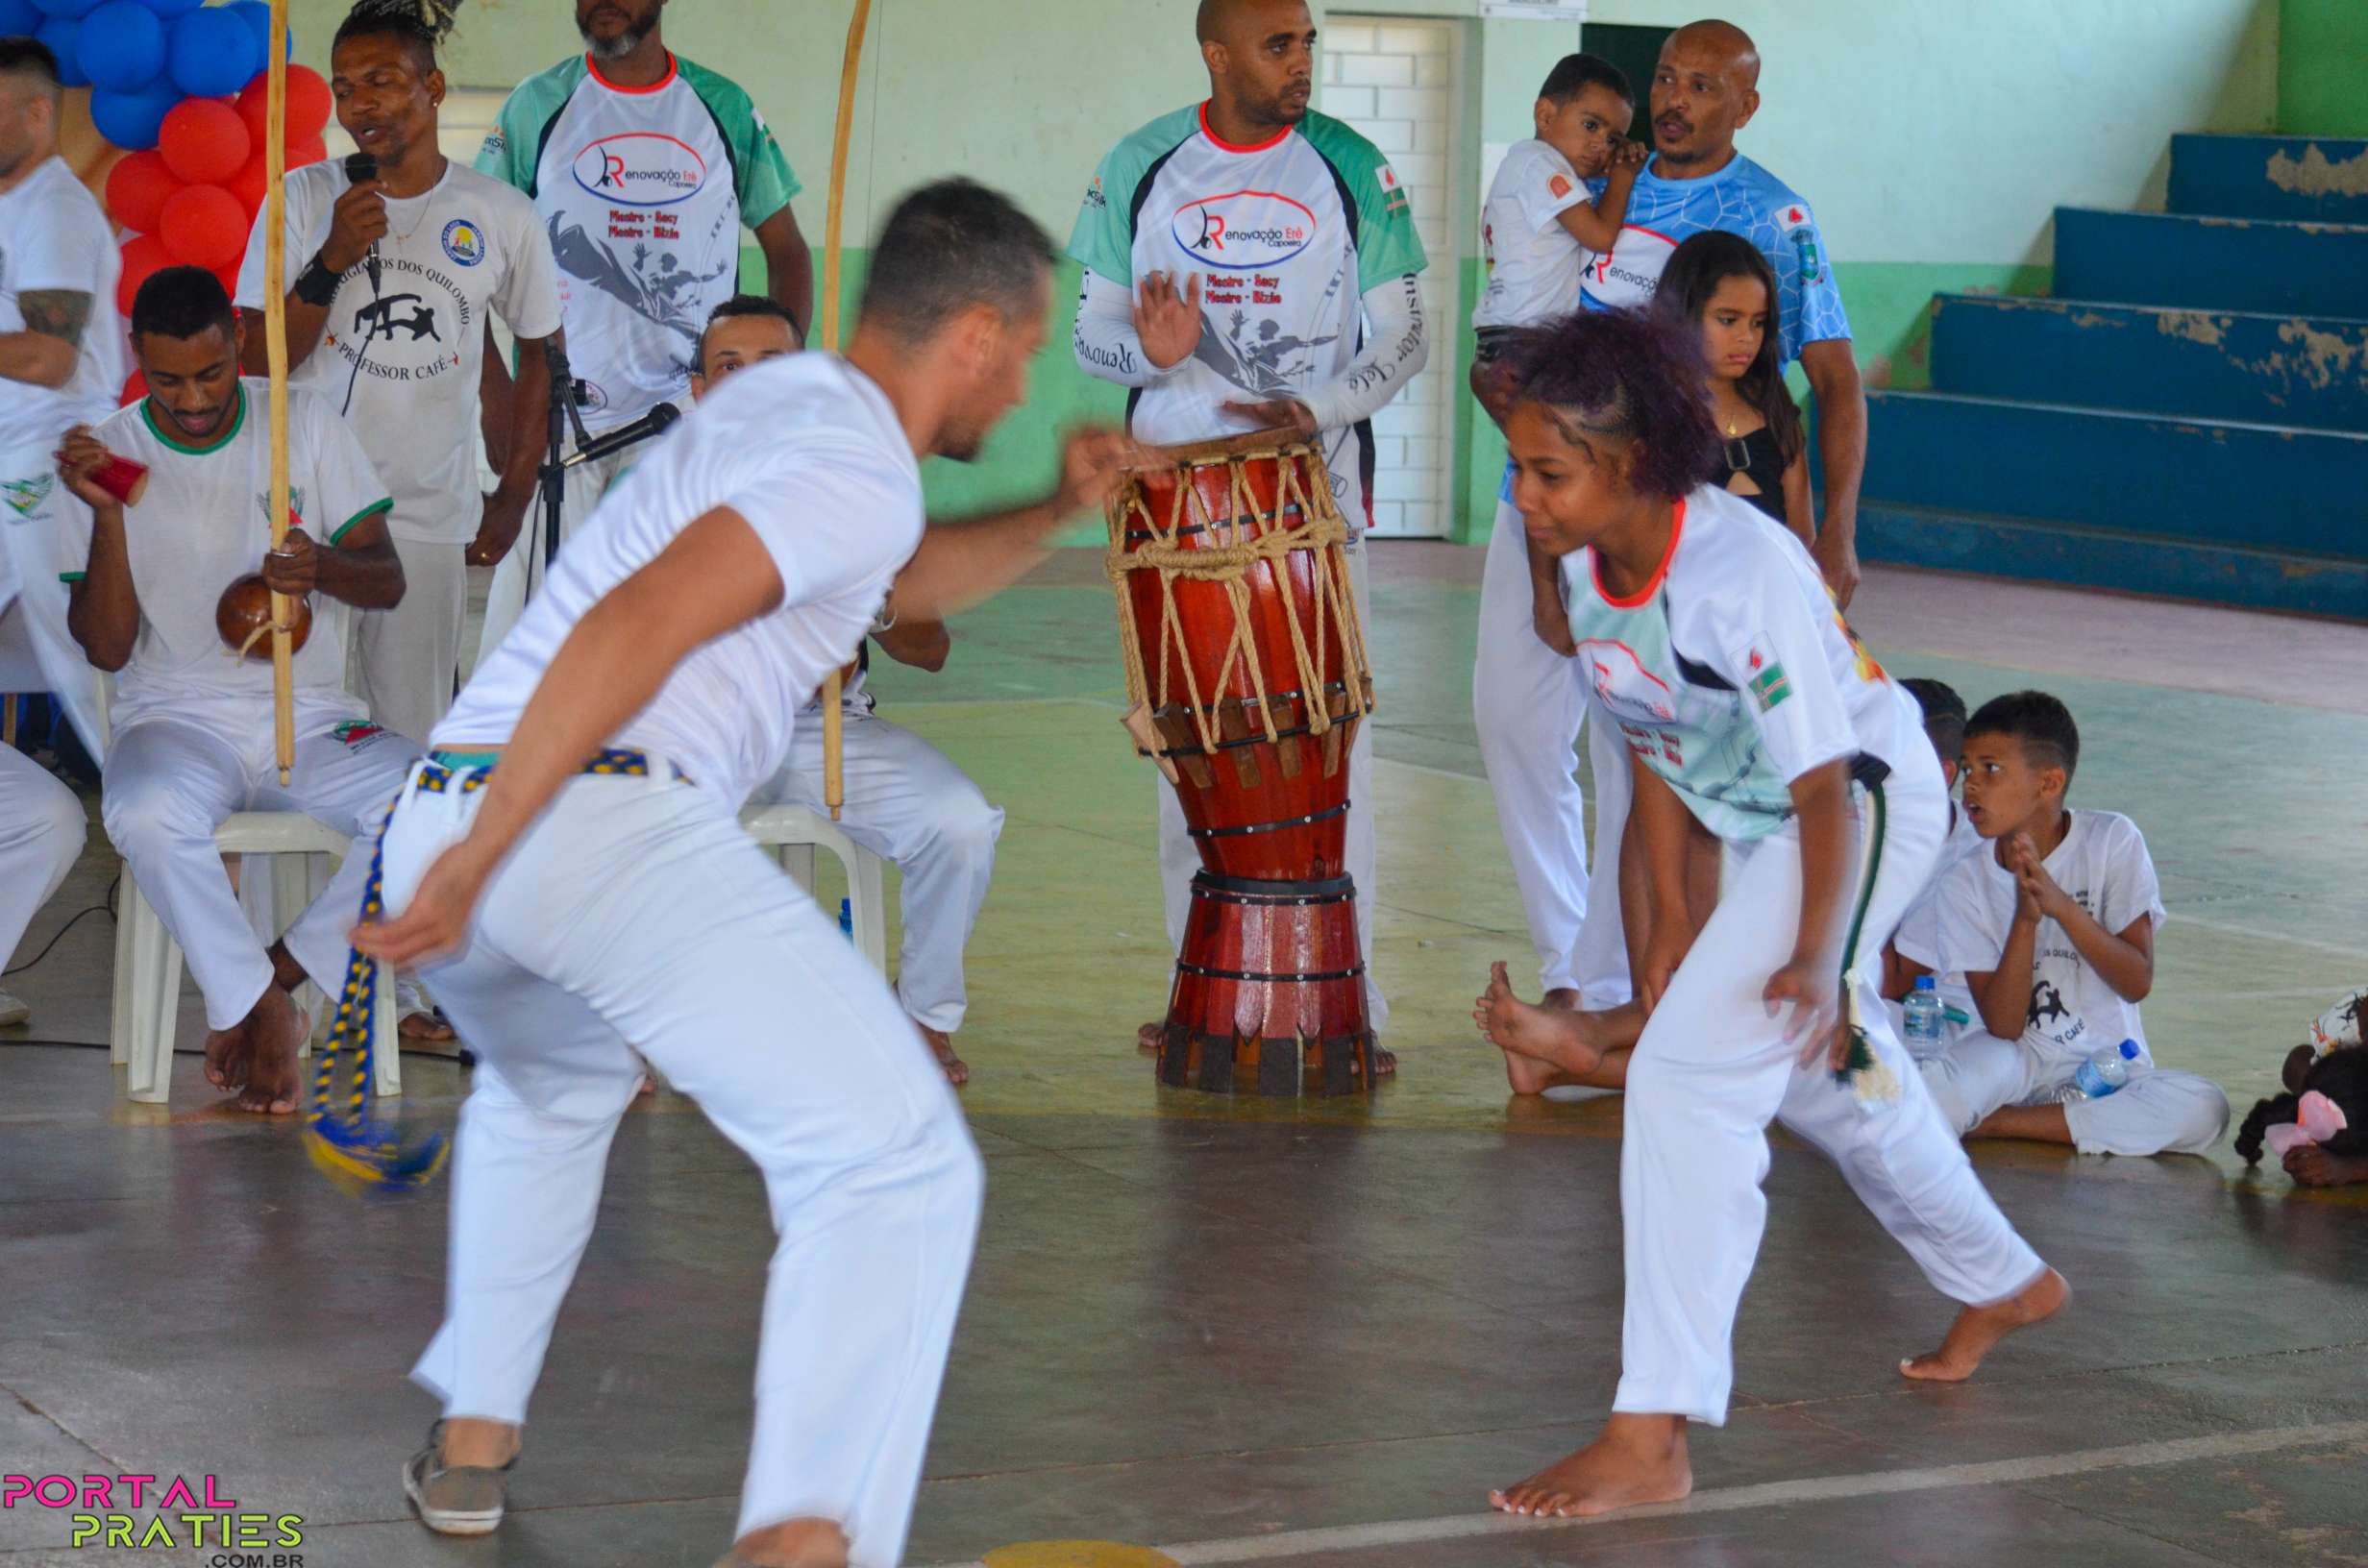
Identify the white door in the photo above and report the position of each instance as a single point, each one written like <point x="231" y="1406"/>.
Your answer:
<point x="1395" y="79"/>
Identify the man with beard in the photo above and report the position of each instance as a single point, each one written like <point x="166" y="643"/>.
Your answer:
<point x="1223" y="313"/>
<point x="643" y="168"/>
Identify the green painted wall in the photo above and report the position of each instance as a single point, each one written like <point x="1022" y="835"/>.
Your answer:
<point x="1934" y="137"/>
<point x="2323" y="67"/>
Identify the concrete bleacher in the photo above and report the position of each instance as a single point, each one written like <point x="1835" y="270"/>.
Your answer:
<point x="2187" y="415"/>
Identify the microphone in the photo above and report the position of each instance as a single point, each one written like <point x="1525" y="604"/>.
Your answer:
<point x="651" y="424"/>
<point x="360" y="168"/>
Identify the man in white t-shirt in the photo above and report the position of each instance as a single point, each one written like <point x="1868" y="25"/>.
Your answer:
<point x="1569" y="180"/>
<point x="1252" y="266"/>
<point x="2052" y="929"/>
<point x="906" y="801"/>
<point x="643" y="168"/>
<point x="394" y="285"/>
<point x="570" y="866"/>
<point x="193" y="721"/>
<point x="60" y="363"/>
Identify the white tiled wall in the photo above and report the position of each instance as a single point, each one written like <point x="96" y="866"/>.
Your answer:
<point x="1394" y="79"/>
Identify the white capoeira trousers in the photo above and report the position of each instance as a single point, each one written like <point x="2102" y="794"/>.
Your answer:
<point x="522" y="568"/>
<point x="1529" y="706"/>
<point x="1179" y="857"/>
<point x="41" y="831"/>
<point x="1713" y="1070"/>
<point x="172" y="780"/>
<point x="909" y="804"/>
<point x="637" y="909"/>
<point x="405" y="659"/>
<point x="2155" y="1112"/>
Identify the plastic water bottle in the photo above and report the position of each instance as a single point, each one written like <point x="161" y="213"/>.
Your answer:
<point x="2102" y="1073"/>
<point x="847" y="919"/>
<point x="1923" y="1025"/>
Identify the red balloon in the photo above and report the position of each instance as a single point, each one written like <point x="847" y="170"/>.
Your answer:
<point x="309" y="104"/>
<point x="203" y="141"/>
<point x="205" y="227"/>
<point x="310" y="151"/>
<point x="249" y="185"/>
<point x="144" y="255"/>
<point x="134" y="389"/>
<point x="136" y="189"/>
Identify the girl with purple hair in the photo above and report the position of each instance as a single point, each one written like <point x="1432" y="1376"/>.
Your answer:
<point x="1707" y="636"/>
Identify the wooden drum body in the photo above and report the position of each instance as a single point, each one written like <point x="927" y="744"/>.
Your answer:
<point x="1248" y="676"/>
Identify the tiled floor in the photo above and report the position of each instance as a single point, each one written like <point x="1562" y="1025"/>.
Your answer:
<point x="1198" y="1322"/>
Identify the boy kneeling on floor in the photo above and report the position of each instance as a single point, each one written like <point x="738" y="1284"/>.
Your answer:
<point x="2053" y="930"/>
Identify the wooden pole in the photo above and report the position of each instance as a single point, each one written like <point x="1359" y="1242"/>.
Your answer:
<point x="834" y="223"/>
<point x="274" y="338"/>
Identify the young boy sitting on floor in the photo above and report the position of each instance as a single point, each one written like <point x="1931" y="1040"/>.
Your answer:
<point x="2054" y="933"/>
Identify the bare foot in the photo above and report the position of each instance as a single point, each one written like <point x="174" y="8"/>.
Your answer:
<point x="1147" y="1038"/>
<point x="427" y="1028"/>
<point x="1978" y="1328"/>
<point x="227" y="1054"/>
<point x="801" y="1543"/>
<point x="1541" y="1042"/>
<point x="1639" y="1459"/>
<point x="1385" y="1062"/>
<point x="941" y="1046"/>
<point x="276" y="1028"/>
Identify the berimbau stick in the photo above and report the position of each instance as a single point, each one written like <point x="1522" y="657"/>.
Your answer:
<point x="274" y="340"/>
<point x="834" y="223"/>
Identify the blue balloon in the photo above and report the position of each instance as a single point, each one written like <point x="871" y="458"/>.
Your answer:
<point x="257" y="16"/>
<point x="131" y="120"/>
<point x="172" y="8"/>
<point x="65" y="8"/>
<point x="18" y="18"/>
<point x="62" y="35"/>
<point x="212" y="53"/>
<point x="122" y="45"/>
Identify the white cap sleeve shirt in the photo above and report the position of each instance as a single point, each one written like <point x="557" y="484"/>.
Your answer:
<point x="203" y="521"/>
<point x="2104" y="864"/>
<point x="1535" y="265"/>
<point x="1731" y="673"/>
<point x="399" y="358"/>
<point x="54" y="236"/>
<point x="809" y="451"/>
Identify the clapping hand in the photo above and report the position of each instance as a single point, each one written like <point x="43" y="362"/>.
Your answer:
<point x="1167" y="319"/>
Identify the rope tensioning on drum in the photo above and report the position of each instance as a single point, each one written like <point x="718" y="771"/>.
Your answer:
<point x="1227" y="565"/>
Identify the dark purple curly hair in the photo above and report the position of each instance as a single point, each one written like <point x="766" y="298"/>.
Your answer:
<point x="1631" y="376"/>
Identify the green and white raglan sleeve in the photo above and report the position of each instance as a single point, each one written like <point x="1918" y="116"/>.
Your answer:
<point x="515" y="143"/>
<point x="761" y="175"/>
<point x="1103" y="240"/>
<point x="345" y="487"/>
<point x="1386" y="244"/>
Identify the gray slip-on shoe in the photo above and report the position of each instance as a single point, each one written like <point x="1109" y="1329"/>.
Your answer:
<point x="457" y="1500"/>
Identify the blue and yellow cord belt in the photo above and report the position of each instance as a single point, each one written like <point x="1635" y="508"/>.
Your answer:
<point x="352" y="1145"/>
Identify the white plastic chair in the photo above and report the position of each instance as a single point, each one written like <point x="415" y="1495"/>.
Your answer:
<point x="797" y="833"/>
<point x="298" y="852"/>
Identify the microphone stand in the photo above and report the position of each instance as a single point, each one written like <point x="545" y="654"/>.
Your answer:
<point x="553" y="474"/>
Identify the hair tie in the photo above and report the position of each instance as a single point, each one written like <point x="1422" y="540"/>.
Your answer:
<point x="2316" y="1120"/>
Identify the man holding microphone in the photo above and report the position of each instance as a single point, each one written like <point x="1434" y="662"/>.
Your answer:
<point x="399" y="261"/>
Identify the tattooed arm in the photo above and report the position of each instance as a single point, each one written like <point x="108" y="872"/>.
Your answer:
<point x="45" y="353"/>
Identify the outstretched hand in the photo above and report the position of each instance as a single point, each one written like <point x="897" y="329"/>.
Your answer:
<point x="1095" y="461"/>
<point x="437" y="920"/>
<point x="1275" y="414"/>
<point x="1167" y="319"/>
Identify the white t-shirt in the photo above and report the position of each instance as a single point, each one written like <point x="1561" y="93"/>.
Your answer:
<point x="410" y="348"/>
<point x="1729" y="672"/>
<point x="809" y="451"/>
<point x="53" y="235"/>
<point x="206" y="521"/>
<point x="1918" y="939"/>
<point x="1535" y="265"/>
<point x="2104" y="864"/>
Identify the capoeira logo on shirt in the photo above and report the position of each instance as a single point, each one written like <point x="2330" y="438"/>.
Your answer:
<point x="24" y="495"/>
<point x="654" y="285"/>
<point x="295" y="505"/>
<point x="1267" y="360"/>
<point x="1625" y="687"/>
<point x="384" y="318"/>
<point x="2047" y="1008"/>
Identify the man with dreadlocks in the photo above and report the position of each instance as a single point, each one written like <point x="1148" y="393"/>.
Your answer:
<point x="395" y="282"/>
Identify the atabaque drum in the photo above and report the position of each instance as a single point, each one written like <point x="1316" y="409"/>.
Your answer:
<point x="1248" y="675"/>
